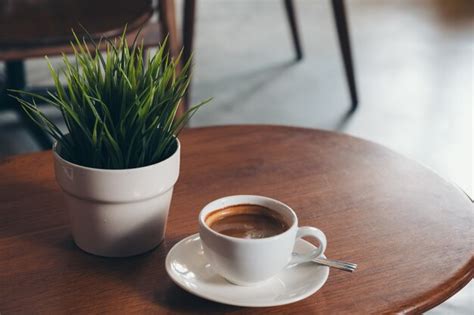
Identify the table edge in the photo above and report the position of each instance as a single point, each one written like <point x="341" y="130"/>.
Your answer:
<point x="442" y="292"/>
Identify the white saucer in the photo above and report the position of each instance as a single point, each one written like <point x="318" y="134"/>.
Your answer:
<point x="188" y="268"/>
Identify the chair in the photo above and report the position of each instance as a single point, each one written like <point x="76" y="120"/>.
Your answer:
<point x="189" y="15"/>
<point x="48" y="32"/>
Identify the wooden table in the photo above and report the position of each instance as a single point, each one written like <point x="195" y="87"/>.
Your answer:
<point x="410" y="231"/>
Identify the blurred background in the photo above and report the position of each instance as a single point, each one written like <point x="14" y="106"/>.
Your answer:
<point x="413" y="64"/>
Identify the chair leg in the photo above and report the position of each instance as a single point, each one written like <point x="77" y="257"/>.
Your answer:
<point x="15" y="71"/>
<point x="344" y="42"/>
<point x="290" y="12"/>
<point x="16" y="79"/>
<point x="3" y="91"/>
<point x="189" y="15"/>
<point x="167" y="14"/>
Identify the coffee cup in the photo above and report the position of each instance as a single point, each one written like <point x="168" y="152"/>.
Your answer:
<point x="248" y="239"/>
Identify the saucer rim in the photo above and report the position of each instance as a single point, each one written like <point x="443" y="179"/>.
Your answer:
<point x="177" y="281"/>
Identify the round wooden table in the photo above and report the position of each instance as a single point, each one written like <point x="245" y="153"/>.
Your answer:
<point x="410" y="231"/>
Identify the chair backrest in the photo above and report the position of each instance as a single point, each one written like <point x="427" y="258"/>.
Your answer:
<point x="44" y="22"/>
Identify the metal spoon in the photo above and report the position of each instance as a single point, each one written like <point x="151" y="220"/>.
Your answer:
<point x="343" y="265"/>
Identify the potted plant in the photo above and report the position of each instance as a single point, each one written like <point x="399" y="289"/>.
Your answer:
<point x="119" y="160"/>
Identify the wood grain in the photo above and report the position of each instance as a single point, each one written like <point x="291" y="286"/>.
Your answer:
<point x="167" y="14"/>
<point x="410" y="231"/>
<point x="34" y="22"/>
<point x="151" y="36"/>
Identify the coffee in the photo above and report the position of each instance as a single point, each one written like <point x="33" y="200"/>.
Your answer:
<point x="247" y="221"/>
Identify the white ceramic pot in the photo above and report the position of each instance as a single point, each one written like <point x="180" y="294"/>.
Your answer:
<point x="118" y="213"/>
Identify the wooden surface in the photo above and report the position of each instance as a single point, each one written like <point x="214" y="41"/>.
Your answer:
<point x="33" y="22"/>
<point x="150" y="34"/>
<point x="410" y="231"/>
<point x="167" y="14"/>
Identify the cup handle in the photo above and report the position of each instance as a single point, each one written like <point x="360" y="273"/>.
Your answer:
<point x="314" y="233"/>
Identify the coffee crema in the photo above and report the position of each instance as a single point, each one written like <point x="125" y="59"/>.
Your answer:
<point x="247" y="221"/>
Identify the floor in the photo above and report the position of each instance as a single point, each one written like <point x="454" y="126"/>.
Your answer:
<point x="414" y="63"/>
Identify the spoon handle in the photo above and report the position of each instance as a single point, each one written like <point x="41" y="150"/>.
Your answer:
<point x="347" y="266"/>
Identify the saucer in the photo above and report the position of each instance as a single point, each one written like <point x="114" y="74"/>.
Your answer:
<point x="188" y="268"/>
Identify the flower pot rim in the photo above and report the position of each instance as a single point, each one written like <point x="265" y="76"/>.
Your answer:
<point x="107" y="170"/>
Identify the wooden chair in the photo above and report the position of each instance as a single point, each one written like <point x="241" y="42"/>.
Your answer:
<point x="189" y="15"/>
<point x="31" y="29"/>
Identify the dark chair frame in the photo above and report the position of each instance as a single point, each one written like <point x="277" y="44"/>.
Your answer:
<point x="189" y="16"/>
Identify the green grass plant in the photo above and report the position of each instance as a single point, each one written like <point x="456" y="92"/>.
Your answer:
<point x="119" y="107"/>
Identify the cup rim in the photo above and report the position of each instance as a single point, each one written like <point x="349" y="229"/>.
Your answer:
<point x="207" y="209"/>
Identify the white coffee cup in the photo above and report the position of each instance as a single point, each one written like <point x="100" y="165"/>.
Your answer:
<point x="251" y="261"/>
